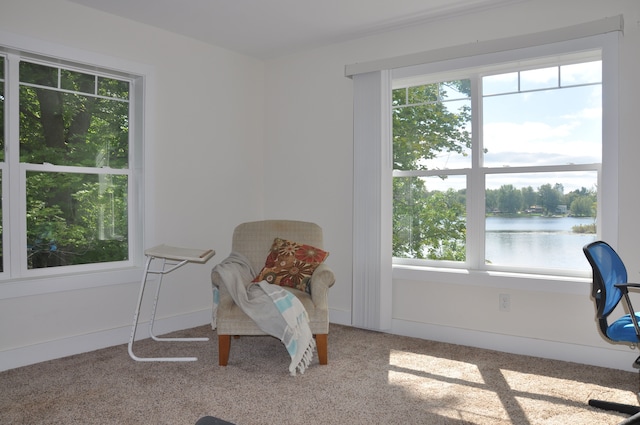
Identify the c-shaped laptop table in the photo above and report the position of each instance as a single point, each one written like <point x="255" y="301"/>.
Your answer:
<point x="174" y="257"/>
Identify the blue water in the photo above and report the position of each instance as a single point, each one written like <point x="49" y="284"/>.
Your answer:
<point x="537" y="242"/>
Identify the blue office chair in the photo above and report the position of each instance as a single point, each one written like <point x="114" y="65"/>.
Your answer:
<point x="609" y="287"/>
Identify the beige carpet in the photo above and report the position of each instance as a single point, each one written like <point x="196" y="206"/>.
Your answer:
<point x="372" y="378"/>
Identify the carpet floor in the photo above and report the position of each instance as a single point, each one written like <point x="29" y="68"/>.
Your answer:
<point x="371" y="378"/>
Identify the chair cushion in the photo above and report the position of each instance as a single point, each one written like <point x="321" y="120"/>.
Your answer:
<point x="623" y="329"/>
<point x="291" y="264"/>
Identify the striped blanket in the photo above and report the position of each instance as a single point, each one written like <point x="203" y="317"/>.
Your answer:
<point x="275" y="310"/>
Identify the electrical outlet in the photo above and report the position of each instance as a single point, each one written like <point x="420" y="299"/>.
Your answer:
<point x="504" y="302"/>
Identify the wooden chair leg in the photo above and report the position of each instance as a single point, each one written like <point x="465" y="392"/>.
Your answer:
<point x="321" y="345"/>
<point x="224" y="345"/>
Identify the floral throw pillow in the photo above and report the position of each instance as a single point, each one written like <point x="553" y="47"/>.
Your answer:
<point x="291" y="264"/>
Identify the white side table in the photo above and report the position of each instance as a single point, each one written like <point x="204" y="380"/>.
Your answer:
<point x="171" y="258"/>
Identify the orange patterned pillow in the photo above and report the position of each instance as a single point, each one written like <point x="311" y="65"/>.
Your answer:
<point x="291" y="264"/>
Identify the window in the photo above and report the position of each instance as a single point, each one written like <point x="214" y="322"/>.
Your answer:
<point x="498" y="166"/>
<point x="68" y="167"/>
<point x="375" y="268"/>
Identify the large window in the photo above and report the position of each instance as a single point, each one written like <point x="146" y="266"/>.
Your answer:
<point x="67" y="161"/>
<point x="498" y="167"/>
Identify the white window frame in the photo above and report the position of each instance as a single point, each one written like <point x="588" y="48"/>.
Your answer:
<point x="475" y="68"/>
<point x="16" y="280"/>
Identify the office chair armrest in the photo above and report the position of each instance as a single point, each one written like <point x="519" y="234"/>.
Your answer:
<point x="625" y="286"/>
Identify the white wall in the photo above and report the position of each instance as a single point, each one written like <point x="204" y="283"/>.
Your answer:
<point x="205" y="157"/>
<point x="310" y="119"/>
<point x="213" y="169"/>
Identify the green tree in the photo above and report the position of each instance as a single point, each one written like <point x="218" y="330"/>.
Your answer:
<point x="430" y="225"/>
<point x="509" y="199"/>
<point x="550" y="197"/>
<point x="582" y="207"/>
<point x="529" y="197"/>
<point x="582" y="202"/>
<point x="491" y="200"/>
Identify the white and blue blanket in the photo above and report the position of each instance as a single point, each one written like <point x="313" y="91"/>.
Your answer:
<point x="275" y="310"/>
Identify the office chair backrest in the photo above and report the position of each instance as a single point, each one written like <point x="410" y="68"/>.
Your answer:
<point x="608" y="269"/>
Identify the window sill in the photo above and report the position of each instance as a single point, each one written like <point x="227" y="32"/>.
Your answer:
<point x="25" y="287"/>
<point x="501" y="279"/>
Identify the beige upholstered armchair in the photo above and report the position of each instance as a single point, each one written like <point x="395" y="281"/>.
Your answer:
<point x="254" y="241"/>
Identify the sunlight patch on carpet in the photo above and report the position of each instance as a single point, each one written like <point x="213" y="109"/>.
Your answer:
<point x="563" y="389"/>
<point x="424" y="365"/>
<point x="440" y="393"/>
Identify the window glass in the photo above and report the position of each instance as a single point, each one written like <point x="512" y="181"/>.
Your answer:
<point x="433" y="130"/>
<point x="540" y="219"/>
<point x="77" y="81"/>
<point x="429" y="217"/>
<point x="62" y="128"/>
<point x="536" y="79"/>
<point x="538" y="150"/>
<point x="110" y="87"/>
<point x="544" y="127"/>
<point x="581" y="73"/>
<point x="40" y="75"/>
<point x="76" y="218"/>
<point x="501" y="83"/>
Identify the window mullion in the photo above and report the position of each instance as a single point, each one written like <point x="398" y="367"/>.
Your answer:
<point x="475" y="183"/>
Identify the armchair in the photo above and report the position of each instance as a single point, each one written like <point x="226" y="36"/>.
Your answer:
<point x="254" y="241"/>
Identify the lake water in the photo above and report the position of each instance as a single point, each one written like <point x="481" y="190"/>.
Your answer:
<point x="537" y="242"/>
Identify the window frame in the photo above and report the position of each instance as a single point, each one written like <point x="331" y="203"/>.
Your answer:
<point x="16" y="280"/>
<point x="492" y="63"/>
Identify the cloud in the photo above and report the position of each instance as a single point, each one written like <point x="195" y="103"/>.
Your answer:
<point x="537" y="143"/>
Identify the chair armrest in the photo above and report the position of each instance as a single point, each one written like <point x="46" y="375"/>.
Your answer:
<point x="216" y="280"/>
<point x="321" y="280"/>
<point x="225" y="298"/>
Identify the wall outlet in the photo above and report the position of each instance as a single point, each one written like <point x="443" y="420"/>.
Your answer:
<point x="504" y="302"/>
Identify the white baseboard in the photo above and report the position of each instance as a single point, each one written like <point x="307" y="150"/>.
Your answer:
<point x="615" y="357"/>
<point x="340" y="317"/>
<point x="50" y="350"/>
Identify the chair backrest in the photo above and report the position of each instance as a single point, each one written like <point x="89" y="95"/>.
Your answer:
<point x="254" y="239"/>
<point x="608" y="269"/>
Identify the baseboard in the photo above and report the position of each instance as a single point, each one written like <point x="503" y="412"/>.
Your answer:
<point x="620" y="358"/>
<point x="340" y="317"/>
<point x="50" y="350"/>
<point x="615" y="358"/>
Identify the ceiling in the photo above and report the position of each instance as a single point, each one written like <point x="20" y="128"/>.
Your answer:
<point x="268" y="29"/>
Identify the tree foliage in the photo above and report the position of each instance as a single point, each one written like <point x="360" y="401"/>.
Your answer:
<point x="427" y="224"/>
<point x="74" y="119"/>
<point x="545" y="200"/>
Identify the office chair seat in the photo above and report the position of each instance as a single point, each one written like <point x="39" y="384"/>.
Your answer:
<point x="623" y="329"/>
